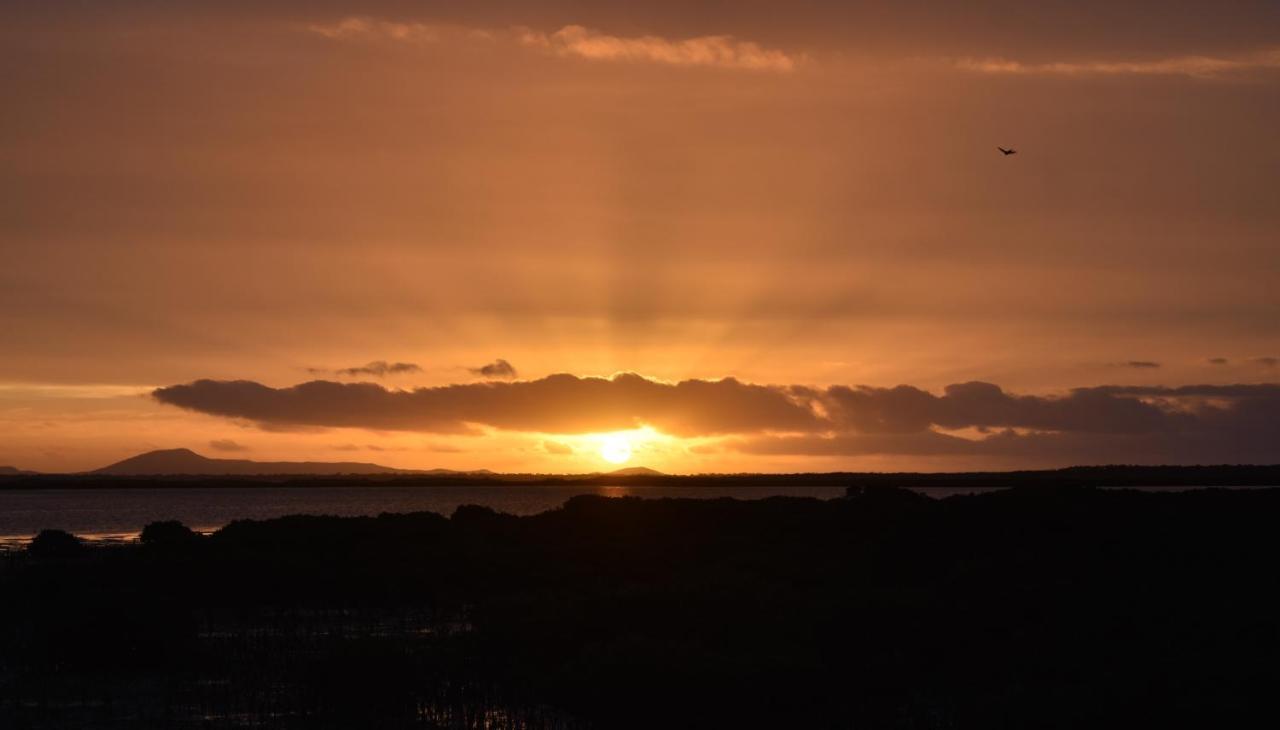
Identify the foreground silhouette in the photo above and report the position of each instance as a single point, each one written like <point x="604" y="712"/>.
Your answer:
<point x="1049" y="607"/>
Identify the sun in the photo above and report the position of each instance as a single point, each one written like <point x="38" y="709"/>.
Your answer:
<point x="615" y="449"/>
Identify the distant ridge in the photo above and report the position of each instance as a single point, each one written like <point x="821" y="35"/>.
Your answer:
<point x="13" y="471"/>
<point x="635" y="471"/>
<point x="158" y="468"/>
<point x="187" y="462"/>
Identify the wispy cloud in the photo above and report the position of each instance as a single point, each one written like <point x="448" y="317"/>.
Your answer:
<point x="1191" y="66"/>
<point x="377" y="369"/>
<point x="356" y="28"/>
<point x="558" y="448"/>
<point x="714" y="50"/>
<point x="576" y="41"/>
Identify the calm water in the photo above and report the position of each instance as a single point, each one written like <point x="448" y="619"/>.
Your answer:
<point x="120" y="514"/>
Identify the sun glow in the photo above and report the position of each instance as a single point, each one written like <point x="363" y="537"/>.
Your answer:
<point x="615" y="449"/>
<point x="641" y="446"/>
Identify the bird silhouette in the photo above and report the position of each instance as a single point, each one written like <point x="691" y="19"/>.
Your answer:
<point x="1007" y="152"/>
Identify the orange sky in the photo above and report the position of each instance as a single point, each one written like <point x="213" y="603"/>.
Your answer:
<point x="802" y="196"/>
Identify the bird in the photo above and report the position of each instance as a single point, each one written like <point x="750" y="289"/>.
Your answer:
<point x="1007" y="152"/>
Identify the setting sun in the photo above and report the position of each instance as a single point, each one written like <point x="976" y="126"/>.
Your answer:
<point x="615" y="449"/>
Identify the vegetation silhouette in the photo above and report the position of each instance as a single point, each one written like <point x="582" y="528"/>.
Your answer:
<point x="1055" y="607"/>
<point x="55" y="544"/>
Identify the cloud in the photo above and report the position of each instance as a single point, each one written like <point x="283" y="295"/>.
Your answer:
<point x="906" y="409"/>
<point x="358" y="28"/>
<point x="576" y="41"/>
<point x="1140" y="364"/>
<point x="227" y="445"/>
<point x="557" y="447"/>
<point x="377" y="369"/>
<point x="720" y="51"/>
<point x="1204" y="67"/>
<point x="555" y="404"/>
<point x="1217" y="361"/>
<point x="1204" y="422"/>
<point x="1267" y="362"/>
<point x="499" y="369"/>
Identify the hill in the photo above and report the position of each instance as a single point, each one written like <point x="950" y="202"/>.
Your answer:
<point x="188" y="462"/>
<point x="635" y="471"/>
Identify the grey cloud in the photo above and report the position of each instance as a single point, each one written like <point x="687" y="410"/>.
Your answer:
<point x="1267" y="362"/>
<point x="1111" y="423"/>
<point x="1217" y="361"/>
<point x="497" y="369"/>
<point x="381" y="369"/>
<point x="227" y="445"/>
<point x="1141" y="364"/>
<point x="906" y="409"/>
<point x="377" y="369"/>
<point x="557" y="404"/>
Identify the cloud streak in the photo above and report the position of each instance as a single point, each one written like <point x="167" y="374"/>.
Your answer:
<point x="720" y="51"/>
<point x="577" y="41"/>
<point x="1204" y="67"/>
<point x="377" y="369"/>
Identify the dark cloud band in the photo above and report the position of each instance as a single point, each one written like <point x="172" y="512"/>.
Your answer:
<point x="1213" y="422"/>
<point x="556" y="404"/>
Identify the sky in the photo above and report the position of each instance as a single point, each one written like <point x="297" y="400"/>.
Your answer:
<point x="727" y="236"/>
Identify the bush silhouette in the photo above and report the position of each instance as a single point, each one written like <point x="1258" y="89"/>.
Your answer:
<point x="55" y="544"/>
<point x="168" y="534"/>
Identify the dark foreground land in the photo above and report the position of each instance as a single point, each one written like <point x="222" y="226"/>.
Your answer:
<point x="1034" y="607"/>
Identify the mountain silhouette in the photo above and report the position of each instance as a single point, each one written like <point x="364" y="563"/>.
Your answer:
<point x="13" y="471"/>
<point x="635" y="471"/>
<point x="186" y="461"/>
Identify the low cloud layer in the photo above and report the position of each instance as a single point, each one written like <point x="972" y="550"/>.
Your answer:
<point x="576" y="41"/>
<point x="1105" y="423"/>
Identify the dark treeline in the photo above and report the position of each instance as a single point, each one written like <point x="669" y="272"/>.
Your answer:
<point x="1026" y="608"/>
<point x="1226" y="475"/>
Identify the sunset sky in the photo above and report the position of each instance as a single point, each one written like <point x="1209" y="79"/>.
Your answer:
<point x="733" y="236"/>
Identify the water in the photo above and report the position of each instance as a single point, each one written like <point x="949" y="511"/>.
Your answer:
<point x="112" y="515"/>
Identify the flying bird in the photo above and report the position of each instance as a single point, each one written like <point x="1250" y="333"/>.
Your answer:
<point x="1007" y="152"/>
